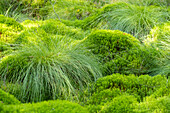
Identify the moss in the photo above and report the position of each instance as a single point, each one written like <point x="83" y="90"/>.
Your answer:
<point x="7" y="33"/>
<point x="112" y="46"/>
<point x="11" y="22"/>
<point x="33" y="34"/>
<point x="140" y="86"/>
<point x="56" y="27"/>
<point x="120" y="104"/>
<point x="104" y="96"/>
<point x="112" y="41"/>
<point x="11" y="88"/>
<point x="160" y="105"/>
<point x="9" y="29"/>
<point x="30" y="23"/>
<point x="7" y="98"/>
<point x="121" y="93"/>
<point x="57" y="106"/>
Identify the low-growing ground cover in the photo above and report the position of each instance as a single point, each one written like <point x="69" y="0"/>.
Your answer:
<point x="107" y="56"/>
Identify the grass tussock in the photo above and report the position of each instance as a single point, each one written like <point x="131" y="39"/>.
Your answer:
<point x="55" y="69"/>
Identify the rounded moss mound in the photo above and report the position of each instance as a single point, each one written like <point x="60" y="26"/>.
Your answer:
<point x="109" y="45"/>
<point x="120" y="104"/>
<point x="8" y="34"/>
<point x="9" y="29"/>
<point x="57" y="106"/>
<point x="11" y="22"/>
<point x="7" y="98"/>
<point x="121" y="93"/>
<point x="56" y="27"/>
<point x="161" y="104"/>
<point x="106" y="41"/>
<point x="104" y="96"/>
<point x="141" y="86"/>
<point x="33" y="35"/>
<point x="57" y="69"/>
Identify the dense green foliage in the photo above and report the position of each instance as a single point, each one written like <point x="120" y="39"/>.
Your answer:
<point x="9" y="29"/>
<point x="104" y="56"/>
<point x="7" y="98"/>
<point x="56" y="27"/>
<point x="120" y="52"/>
<point x="57" y="106"/>
<point x="120" y="93"/>
<point x="142" y="86"/>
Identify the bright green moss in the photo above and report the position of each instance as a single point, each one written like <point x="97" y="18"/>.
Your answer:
<point x="104" y="96"/>
<point x="159" y="105"/>
<point x="10" y="22"/>
<point x="8" y="33"/>
<point x="120" y="93"/>
<point x="140" y="86"/>
<point x="120" y="104"/>
<point x="7" y="98"/>
<point x="30" y="23"/>
<point x="112" y="46"/>
<point x="9" y="29"/>
<point x="57" y="106"/>
<point x="56" y="27"/>
<point x="33" y="34"/>
<point x="106" y="41"/>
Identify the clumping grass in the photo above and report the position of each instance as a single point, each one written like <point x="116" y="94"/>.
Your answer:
<point x="136" y="20"/>
<point x="164" y="61"/>
<point x="56" y="68"/>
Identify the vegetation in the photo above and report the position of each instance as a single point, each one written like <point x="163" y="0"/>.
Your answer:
<point x="90" y="56"/>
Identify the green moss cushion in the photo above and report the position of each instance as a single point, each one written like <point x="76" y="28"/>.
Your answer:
<point x="9" y="29"/>
<point x="112" y="47"/>
<point x="119" y="93"/>
<point x="158" y="105"/>
<point x="133" y="84"/>
<point x="10" y="22"/>
<point x="112" y="41"/>
<point x="57" y="106"/>
<point x="56" y="27"/>
<point x="7" y="98"/>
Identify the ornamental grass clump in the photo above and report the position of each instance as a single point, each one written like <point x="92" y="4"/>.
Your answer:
<point x="136" y="20"/>
<point x="57" y="69"/>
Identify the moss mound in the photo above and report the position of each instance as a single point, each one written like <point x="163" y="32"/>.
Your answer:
<point x="7" y="98"/>
<point x="57" y="106"/>
<point x="112" y="47"/>
<point x="10" y="22"/>
<point x="122" y="93"/>
<point x="9" y="29"/>
<point x="56" y="27"/>
<point x="132" y="84"/>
